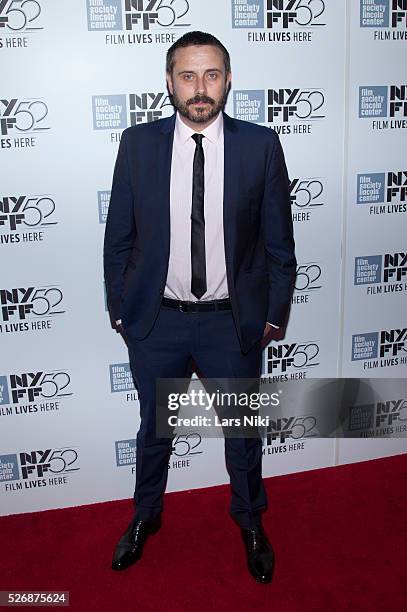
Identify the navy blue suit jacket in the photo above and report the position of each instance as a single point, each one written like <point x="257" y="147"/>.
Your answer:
<point x="258" y="234"/>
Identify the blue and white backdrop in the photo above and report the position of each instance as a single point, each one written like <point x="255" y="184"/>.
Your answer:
<point x="327" y="75"/>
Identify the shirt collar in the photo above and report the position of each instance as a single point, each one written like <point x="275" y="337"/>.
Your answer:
<point x="213" y="132"/>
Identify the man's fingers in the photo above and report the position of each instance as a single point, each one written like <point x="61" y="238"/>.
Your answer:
<point x="267" y="329"/>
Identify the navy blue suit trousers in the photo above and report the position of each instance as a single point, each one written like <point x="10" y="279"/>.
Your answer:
<point x="211" y="340"/>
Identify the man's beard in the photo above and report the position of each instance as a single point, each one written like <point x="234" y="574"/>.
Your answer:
<point x="200" y="115"/>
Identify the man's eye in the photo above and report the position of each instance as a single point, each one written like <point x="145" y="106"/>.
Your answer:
<point x="212" y="76"/>
<point x="188" y="77"/>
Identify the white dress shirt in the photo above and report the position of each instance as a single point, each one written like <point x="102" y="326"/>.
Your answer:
<point x="178" y="284"/>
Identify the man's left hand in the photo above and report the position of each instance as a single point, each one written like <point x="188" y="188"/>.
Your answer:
<point x="268" y="328"/>
<point x="269" y="334"/>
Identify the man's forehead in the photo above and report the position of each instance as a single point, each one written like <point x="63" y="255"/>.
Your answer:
<point x="198" y="54"/>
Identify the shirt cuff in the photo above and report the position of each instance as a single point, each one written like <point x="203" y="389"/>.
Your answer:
<point x="275" y="326"/>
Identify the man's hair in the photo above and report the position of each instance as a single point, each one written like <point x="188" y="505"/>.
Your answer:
<point x="196" y="38"/>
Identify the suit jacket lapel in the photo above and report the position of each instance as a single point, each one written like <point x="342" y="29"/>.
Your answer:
<point x="230" y="184"/>
<point x="164" y="157"/>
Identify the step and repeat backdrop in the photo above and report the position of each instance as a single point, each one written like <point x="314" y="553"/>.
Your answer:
<point x="327" y="76"/>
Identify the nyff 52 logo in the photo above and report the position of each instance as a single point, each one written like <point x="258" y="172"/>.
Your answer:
<point x="281" y="108"/>
<point x="158" y="13"/>
<point x="25" y="212"/>
<point x="277" y="13"/>
<point x="308" y="277"/>
<point x="23" y="116"/>
<point x="22" y="303"/>
<point x="17" y="16"/>
<point x="37" y="464"/>
<point x="281" y="358"/>
<point x="301" y="104"/>
<point x="28" y="386"/>
<point x="294" y="427"/>
<point x="306" y="193"/>
<point x="301" y="13"/>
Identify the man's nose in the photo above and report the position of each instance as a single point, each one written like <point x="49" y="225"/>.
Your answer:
<point x="200" y="85"/>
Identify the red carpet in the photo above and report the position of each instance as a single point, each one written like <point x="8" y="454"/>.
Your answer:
<point x="340" y="536"/>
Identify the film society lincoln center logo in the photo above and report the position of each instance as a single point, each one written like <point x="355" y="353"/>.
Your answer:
<point x="184" y="449"/>
<point x="386" y="19"/>
<point x="138" y="21"/>
<point x="287" y="110"/>
<point x="383" y="192"/>
<point x="386" y="348"/>
<point x="116" y="112"/>
<point x="279" y="20"/>
<point x="385" y="105"/>
<point x="103" y="198"/>
<point x="39" y="468"/>
<point x="121" y="379"/>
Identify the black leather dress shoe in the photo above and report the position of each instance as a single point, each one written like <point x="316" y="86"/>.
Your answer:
<point x="260" y="554"/>
<point x="130" y="546"/>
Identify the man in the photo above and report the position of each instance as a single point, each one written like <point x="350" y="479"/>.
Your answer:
<point x="199" y="264"/>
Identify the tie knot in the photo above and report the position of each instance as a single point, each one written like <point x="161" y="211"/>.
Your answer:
<point x="198" y="139"/>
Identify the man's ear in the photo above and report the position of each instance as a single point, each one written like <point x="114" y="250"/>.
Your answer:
<point x="169" y="84"/>
<point x="229" y="80"/>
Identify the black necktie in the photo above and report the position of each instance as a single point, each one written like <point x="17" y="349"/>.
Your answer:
<point x="198" y="264"/>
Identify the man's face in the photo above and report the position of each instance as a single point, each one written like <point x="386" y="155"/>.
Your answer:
<point x="199" y="83"/>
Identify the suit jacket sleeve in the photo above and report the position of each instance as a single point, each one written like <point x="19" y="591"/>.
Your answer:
<point x="120" y="230"/>
<point x="278" y="235"/>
